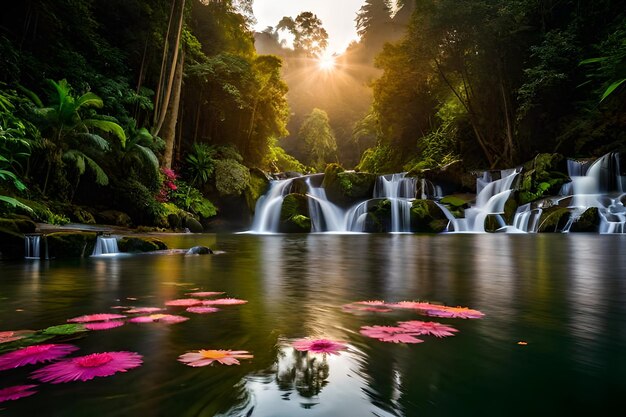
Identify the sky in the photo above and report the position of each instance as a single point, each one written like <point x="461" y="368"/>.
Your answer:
<point x="337" y="17"/>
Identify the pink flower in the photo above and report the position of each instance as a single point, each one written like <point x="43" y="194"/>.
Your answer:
<point x="184" y="302"/>
<point x="389" y="334"/>
<point x="17" y="391"/>
<point x="319" y="346"/>
<point x="104" y="325"/>
<point x="454" y="312"/>
<point x="203" y="294"/>
<point x="202" y="310"/>
<point x="224" y="302"/>
<point x="371" y="303"/>
<point x="144" y="310"/>
<point x="207" y="357"/>
<point x="413" y="305"/>
<point x="169" y="173"/>
<point x="427" y="327"/>
<point x="34" y="354"/>
<point x="95" y="317"/>
<point x="163" y="318"/>
<point x="171" y="186"/>
<point x="10" y="336"/>
<point x="84" y="368"/>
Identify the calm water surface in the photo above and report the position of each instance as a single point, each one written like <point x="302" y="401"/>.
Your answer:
<point x="564" y="295"/>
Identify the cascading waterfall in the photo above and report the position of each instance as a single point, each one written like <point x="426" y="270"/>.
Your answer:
<point x="400" y="191"/>
<point x="325" y="216"/>
<point x="268" y="207"/>
<point x="527" y="219"/>
<point x="490" y="201"/>
<point x="105" y="246"/>
<point x="32" y="246"/>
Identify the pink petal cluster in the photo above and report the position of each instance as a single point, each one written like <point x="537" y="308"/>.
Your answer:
<point x="224" y="302"/>
<point x="454" y="312"/>
<point x="203" y="294"/>
<point x="202" y="310"/>
<point x="418" y="327"/>
<point x="104" y="325"/>
<point x="144" y="310"/>
<point x="84" y="368"/>
<point x="183" y="302"/>
<point x="95" y="317"/>
<point x="413" y="305"/>
<point x="162" y="318"/>
<point x="17" y="391"/>
<point x="389" y="334"/>
<point x="207" y="357"/>
<point x="319" y="346"/>
<point x="357" y="307"/>
<point x="34" y="354"/>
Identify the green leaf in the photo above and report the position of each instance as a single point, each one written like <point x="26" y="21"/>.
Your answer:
<point x="89" y="100"/>
<point x="13" y="202"/>
<point x="96" y="140"/>
<point x="101" y="176"/>
<point x="64" y="329"/>
<point x="592" y="60"/>
<point x="26" y="341"/>
<point x="149" y="155"/>
<point x="109" y="127"/>
<point x="612" y="88"/>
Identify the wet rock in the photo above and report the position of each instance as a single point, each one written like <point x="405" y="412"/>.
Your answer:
<point x="193" y="225"/>
<point x="347" y="187"/>
<point x="427" y="217"/>
<point x="71" y="244"/>
<point x="114" y="217"/>
<point x="378" y="219"/>
<point x="588" y="222"/>
<point x="18" y="225"/>
<point x="199" y="250"/>
<point x="140" y="244"/>
<point x="542" y="176"/>
<point x="452" y="178"/>
<point x="173" y="220"/>
<point x="553" y="219"/>
<point x="294" y="214"/>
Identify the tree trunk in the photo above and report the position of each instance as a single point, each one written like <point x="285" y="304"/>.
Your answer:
<point x="166" y="42"/>
<point x="169" y="125"/>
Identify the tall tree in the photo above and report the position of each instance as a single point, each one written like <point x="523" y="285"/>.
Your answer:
<point x="318" y="139"/>
<point x="310" y="37"/>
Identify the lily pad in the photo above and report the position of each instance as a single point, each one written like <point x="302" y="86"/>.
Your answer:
<point x="64" y="329"/>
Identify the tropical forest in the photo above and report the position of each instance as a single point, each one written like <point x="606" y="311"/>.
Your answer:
<point x="290" y="186"/>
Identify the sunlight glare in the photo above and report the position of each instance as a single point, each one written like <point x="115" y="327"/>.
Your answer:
<point x="326" y="62"/>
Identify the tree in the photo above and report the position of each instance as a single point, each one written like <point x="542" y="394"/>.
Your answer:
<point x="310" y="37"/>
<point x="318" y="139"/>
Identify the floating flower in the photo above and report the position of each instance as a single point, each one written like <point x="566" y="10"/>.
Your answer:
<point x="163" y="318"/>
<point x="34" y="354"/>
<point x="454" y="312"/>
<point x="207" y="357"/>
<point x="389" y="334"/>
<point x="17" y="391"/>
<point x="10" y="336"/>
<point x="224" y="302"/>
<point x="144" y="310"/>
<point x="184" y="302"/>
<point x="203" y="294"/>
<point x="104" y="325"/>
<point x="371" y="303"/>
<point x="202" y="310"/>
<point x="418" y="327"/>
<point x="95" y="317"/>
<point x="319" y="346"/>
<point x="413" y="305"/>
<point x="87" y="367"/>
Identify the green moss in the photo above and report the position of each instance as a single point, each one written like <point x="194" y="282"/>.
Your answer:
<point x="588" y="222"/>
<point x="330" y="174"/>
<point x="294" y="211"/>
<point x="256" y="188"/>
<point x="454" y="201"/>
<point x="140" y="244"/>
<point x="427" y="217"/>
<point x="231" y="178"/>
<point x="542" y="176"/>
<point x="71" y="244"/>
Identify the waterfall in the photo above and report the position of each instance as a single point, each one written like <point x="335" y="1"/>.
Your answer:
<point x="32" y="246"/>
<point x="400" y="191"/>
<point x="269" y="206"/>
<point x="490" y="200"/>
<point x="325" y="216"/>
<point x="105" y="246"/>
<point x="527" y="219"/>
<point x="613" y="217"/>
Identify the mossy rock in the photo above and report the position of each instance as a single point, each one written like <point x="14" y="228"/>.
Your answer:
<point x="553" y="219"/>
<point x="259" y="183"/>
<point x="452" y="178"/>
<point x="70" y="244"/>
<point x="378" y="219"/>
<point x="114" y="217"/>
<point x="588" y="222"/>
<point x="542" y="176"/>
<point x="347" y="187"/>
<point x="427" y="217"/>
<point x="193" y="225"/>
<point x="81" y="215"/>
<point x="330" y="174"/>
<point x="294" y="214"/>
<point x="18" y="225"/>
<point x="140" y="244"/>
<point x="299" y="186"/>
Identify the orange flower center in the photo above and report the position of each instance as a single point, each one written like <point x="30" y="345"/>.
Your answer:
<point x="214" y="354"/>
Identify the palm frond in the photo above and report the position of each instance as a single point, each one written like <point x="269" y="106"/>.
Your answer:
<point x="31" y="95"/>
<point x="78" y="158"/>
<point x="96" y="140"/>
<point x="149" y="156"/>
<point x="89" y="100"/>
<point x="15" y="203"/>
<point x="101" y="176"/>
<point x="109" y="127"/>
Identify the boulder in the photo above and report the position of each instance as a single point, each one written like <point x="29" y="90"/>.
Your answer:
<point x="193" y="225"/>
<point x="378" y="219"/>
<point x="588" y="222"/>
<point x="544" y="175"/>
<point x="20" y="225"/>
<point x="71" y="244"/>
<point x="199" y="250"/>
<point x="452" y="178"/>
<point x="553" y="219"/>
<point x="427" y="217"/>
<point x="114" y="217"/>
<point x="140" y="244"/>
<point x="347" y="187"/>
